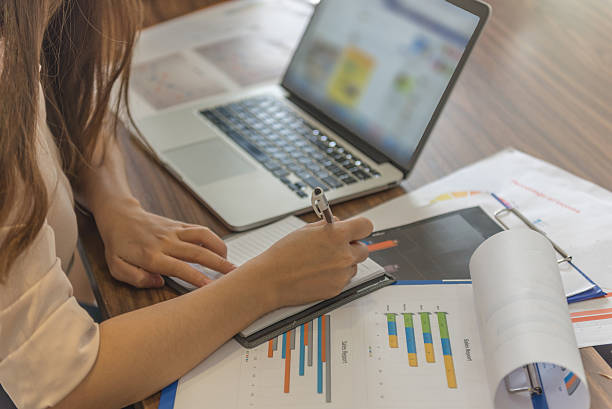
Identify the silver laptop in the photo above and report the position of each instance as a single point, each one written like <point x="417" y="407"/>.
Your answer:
<point x="354" y="109"/>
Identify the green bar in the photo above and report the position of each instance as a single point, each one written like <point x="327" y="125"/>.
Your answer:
<point x="391" y="317"/>
<point x="425" y="323"/>
<point x="408" y="320"/>
<point x="443" y="325"/>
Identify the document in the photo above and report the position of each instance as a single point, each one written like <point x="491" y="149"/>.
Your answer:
<point x="423" y="346"/>
<point x="220" y="49"/>
<point x="382" y="351"/>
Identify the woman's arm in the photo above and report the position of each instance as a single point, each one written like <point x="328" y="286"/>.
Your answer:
<point x="145" y="350"/>
<point x="106" y="181"/>
<point x="141" y="246"/>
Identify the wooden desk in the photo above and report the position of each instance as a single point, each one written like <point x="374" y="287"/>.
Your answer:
<point x="539" y="80"/>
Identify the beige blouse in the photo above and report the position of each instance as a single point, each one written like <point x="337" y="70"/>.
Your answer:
<point x="48" y="343"/>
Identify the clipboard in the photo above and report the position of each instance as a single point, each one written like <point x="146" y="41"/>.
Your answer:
<point x="314" y="312"/>
<point x="533" y="384"/>
<point x="508" y="209"/>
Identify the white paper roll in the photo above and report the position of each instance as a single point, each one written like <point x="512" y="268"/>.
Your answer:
<point x="522" y="311"/>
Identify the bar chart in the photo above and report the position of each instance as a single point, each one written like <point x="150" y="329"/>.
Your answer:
<point x="402" y="346"/>
<point x="298" y="363"/>
<point x="392" y="347"/>
<point x="305" y="350"/>
<point x="399" y="349"/>
<point x="445" y="344"/>
<point x="421" y="342"/>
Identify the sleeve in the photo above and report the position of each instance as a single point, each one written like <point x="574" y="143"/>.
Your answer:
<point x="48" y="343"/>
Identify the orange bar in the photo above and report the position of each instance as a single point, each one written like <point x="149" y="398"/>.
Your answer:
<point x="270" y="350"/>
<point x="570" y="382"/>
<point x="306" y="334"/>
<point x="592" y="318"/>
<point x="287" y="361"/>
<point x="323" y="338"/>
<point x="592" y="312"/>
<point x="382" y="245"/>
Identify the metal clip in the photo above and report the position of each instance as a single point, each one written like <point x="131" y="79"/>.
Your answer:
<point x="534" y="386"/>
<point x="565" y="257"/>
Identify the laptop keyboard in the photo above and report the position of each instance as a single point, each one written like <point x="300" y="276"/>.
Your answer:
<point x="294" y="151"/>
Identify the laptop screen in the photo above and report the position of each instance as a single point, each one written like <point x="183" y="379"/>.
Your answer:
<point x="380" y="67"/>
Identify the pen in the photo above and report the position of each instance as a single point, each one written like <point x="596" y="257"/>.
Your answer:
<point x="320" y="205"/>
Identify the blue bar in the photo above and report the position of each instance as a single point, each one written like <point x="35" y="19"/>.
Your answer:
<point x="302" y="350"/>
<point x="410" y="342"/>
<point x="446" y="346"/>
<point x="500" y="201"/>
<point x="427" y="338"/>
<point x="319" y="360"/>
<point x="166" y="401"/>
<point x="392" y="327"/>
<point x="284" y="344"/>
<point x="539" y="401"/>
<point x="594" y="292"/>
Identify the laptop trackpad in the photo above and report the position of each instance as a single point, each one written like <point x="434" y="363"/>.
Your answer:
<point x="208" y="161"/>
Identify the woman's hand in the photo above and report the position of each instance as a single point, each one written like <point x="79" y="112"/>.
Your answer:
<point x="313" y="263"/>
<point x="140" y="247"/>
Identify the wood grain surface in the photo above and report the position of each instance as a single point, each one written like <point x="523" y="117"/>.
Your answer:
<point x="539" y="80"/>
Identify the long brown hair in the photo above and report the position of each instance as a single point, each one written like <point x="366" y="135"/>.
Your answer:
<point x="84" y="47"/>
